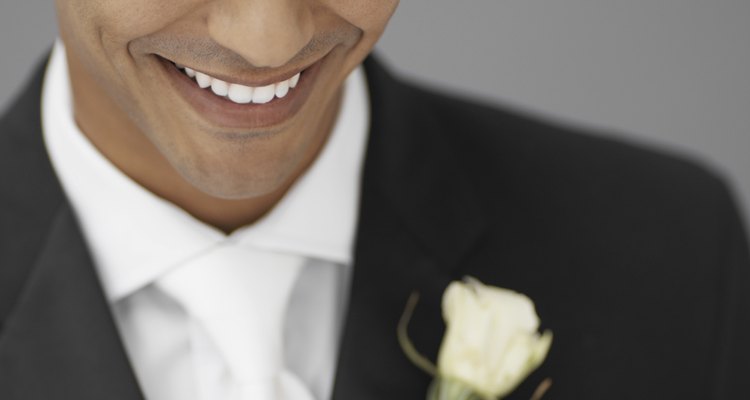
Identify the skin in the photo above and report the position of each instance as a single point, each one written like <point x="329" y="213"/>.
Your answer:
<point x="225" y="176"/>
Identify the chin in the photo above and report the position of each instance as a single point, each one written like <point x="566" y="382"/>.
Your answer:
<point x="234" y="186"/>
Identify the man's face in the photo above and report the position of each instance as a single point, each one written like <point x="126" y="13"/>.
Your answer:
<point x="275" y="68"/>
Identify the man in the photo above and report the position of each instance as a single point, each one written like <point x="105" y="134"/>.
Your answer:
<point x="203" y="209"/>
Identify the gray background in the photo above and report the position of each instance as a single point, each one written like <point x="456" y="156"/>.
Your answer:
<point x="671" y="73"/>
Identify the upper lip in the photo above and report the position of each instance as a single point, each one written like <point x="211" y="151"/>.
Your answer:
<point x="257" y="78"/>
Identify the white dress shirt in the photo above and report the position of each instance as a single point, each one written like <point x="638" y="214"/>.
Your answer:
<point x="135" y="237"/>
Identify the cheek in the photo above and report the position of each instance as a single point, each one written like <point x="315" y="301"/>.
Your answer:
<point x="119" y="20"/>
<point x="98" y="34"/>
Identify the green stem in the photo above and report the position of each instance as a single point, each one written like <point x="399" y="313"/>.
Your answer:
<point x="449" y="389"/>
<point x="406" y="345"/>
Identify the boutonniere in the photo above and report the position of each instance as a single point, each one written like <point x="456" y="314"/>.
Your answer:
<point x="491" y="343"/>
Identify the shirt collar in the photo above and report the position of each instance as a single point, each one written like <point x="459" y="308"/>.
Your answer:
<point x="135" y="236"/>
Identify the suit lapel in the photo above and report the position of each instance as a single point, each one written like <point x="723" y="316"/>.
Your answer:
<point x="60" y="341"/>
<point x="417" y="220"/>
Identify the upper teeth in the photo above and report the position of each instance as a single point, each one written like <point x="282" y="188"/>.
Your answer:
<point x="242" y="94"/>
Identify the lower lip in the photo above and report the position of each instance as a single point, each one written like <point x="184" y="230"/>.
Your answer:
<point x="224" y="113"/>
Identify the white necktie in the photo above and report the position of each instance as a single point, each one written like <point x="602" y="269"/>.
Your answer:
<point x="236" y="298"/>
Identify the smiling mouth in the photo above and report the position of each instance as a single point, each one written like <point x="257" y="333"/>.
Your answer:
<point x="247" y="106"/>
<point x="239" y="93"/>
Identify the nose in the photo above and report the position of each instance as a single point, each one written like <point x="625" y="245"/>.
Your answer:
<point x="267" y="33"/>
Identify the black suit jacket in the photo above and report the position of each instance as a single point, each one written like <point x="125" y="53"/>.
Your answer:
<point x="636" y="260"/>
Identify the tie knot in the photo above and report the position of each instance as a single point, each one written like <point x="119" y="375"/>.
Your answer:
<point x="238" y="296"/>
<point x="231" y="275"/>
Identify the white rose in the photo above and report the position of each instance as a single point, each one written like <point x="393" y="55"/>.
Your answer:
<point x="491" y="342"/>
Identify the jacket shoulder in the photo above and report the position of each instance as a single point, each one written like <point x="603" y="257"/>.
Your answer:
<point x="505" y="149"/>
